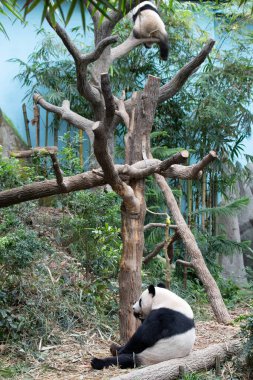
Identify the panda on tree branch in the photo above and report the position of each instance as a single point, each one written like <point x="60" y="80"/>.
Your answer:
<point x="167" y="331"/>
<point x="148" y="23"/>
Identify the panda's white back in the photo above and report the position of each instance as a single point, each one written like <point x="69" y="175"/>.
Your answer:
<point x="166" y="298"/>
<point x="148" y="23"/>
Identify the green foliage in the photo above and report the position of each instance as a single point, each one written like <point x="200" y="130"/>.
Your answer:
<point x="94" y="220"/>
<point x="69" y="154"/>
<point x="8" y="9"/>
<point x="20" y="248"/>
<point x="229" y="209"/>
<point x="17" y="250"/>
<point x="109" y="248"/>
<point x="13" y="173"/>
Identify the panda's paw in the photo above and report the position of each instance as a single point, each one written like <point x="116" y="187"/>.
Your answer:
<point x="97" y="363"/>
<point x="114" y="348"/>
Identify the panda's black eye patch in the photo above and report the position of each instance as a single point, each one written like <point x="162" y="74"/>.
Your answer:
<point x="140" y="302"/>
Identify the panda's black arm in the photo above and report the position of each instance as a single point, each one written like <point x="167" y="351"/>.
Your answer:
<point x="153" y="329"/>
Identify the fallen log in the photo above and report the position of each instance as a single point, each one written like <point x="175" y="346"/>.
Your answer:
<point x="198" y="360"/>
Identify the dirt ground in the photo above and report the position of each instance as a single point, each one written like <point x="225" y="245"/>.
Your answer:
<point x="71" y="359"/>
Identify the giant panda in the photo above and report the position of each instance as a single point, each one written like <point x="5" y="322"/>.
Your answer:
<point x="147" y="23"/>
<point x="167" y="331"/>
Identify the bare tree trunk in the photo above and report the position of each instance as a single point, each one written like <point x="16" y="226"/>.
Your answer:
<point x="137" y="145"/>
<point x="193" y="251"/>
<point x="130" y="264"/>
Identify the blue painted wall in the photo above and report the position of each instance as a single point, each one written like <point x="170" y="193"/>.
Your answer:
<point x="21" y="43"/>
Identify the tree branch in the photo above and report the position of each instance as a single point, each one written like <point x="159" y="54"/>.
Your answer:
<point x="42" y="151"/>
<point x="58" y="173"/>
<point x="196" y="168"/>
<point x="185" y="263"/>
<point x="87" y="180"/>
<point x="193" y="251"/>
<point x="160" y="246"/>
<point x="176" y="83"/>
<point x="69" y="44"/>
<point x="93" y="56"/>
<point x="49" y="187"/>
<point x="108" y="98"/>
<point x="136" y="173"/>
<point x="190" y="172"/>
<point x="101" y="131"/>
<point x="154" y="253"/>
<point x="66" y="114"/>
<point x="85" y="88"/>
<point x="121" y="111"/>
<point x="129" y="44"/>
<point x="162" y="225"/>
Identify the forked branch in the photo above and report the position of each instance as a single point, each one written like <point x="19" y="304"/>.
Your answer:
<point x="66" y="114"/>
<point x="176" y="83"/>
<point x="101" y="131"/>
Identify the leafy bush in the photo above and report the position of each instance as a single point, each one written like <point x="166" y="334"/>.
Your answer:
<point x="13" y="173"/>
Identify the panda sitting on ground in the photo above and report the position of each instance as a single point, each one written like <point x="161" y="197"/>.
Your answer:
<point x="167" y="331"/>
<point x="147" y="23"/>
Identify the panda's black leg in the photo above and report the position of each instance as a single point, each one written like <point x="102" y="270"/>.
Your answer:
<point x="114" y="348"/>
<point x="122" y="361"/>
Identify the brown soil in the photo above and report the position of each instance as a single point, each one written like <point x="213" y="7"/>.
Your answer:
<point x="71" y="359"/>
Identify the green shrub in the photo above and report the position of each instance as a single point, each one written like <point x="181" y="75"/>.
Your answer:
<point x="13" y="173"/>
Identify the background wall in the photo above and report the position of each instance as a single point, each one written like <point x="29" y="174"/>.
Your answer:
<point x="23" y="39"/>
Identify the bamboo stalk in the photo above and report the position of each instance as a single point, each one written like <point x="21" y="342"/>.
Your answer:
<point x="189" y="201"/>
<point x="81" y="147"/>
<point x="215" y="203"/>
<point x="56" y="135"/>
<point x="46" y="129"/>
<point x="27" y="130"/>
<point x="203" y="218"/>
<point x="38" y="127"/>
<point x="168" y="266"/>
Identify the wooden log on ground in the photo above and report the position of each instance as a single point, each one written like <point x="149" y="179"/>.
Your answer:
<point x="198" y="360"/>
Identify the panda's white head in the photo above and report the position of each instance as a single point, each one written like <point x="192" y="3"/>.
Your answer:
<point x="156" y="297"/>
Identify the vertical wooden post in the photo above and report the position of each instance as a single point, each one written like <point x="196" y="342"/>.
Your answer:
<point x="56" y="126"/>
<point x="37" y="111"/>
<point x="189" y="201"/>
<point x="46" y="129"/>
<point x="28" y="136"/>
<point x="168" y="267"/>
<point x="81" y="147"/>
<point x="203" y="218"/>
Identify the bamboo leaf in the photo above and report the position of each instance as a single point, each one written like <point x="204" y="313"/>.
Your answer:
<point x="228" y="210"/>
<point x="70" y="11"/>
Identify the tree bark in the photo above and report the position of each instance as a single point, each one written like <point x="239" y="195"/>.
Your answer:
<point x="131" y="262"/>
<point x="137" y="144"/>
<point x="199" y="360"/>
<point x="193" y="251"/>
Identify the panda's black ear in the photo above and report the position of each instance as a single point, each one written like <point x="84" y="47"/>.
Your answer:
<point x="161" y="285"/>
<point x="151" y="290"/>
